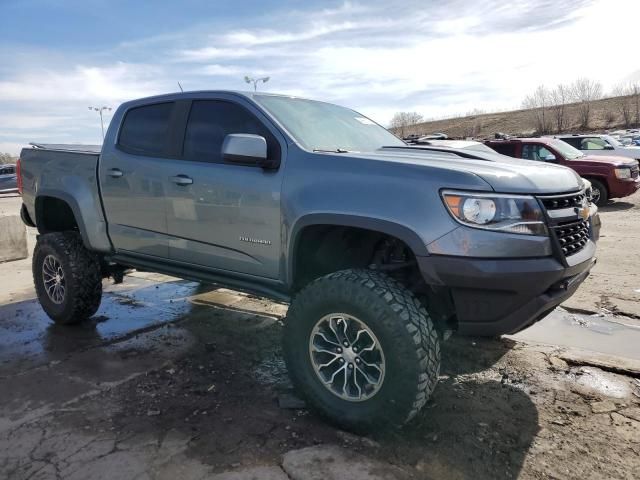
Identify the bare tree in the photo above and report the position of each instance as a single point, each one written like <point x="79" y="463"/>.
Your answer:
<point x="402" y="120"/>
<point x="558" y="99"/>
<point x="538" y="102"/>
<point x="7" y="158"/>
<point x="635" y="91"/>
<point x="624" y="102"/>
<point x="585" y="91"/>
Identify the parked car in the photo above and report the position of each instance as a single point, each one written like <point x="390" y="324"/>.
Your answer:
<point x="382" y="249"/>
<point x="600" y="145"/>
<point x="8" y="179"/>
<point x="610" y="176"/>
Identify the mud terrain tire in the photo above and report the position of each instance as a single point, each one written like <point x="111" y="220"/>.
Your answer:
<point x="77" y="269"/>
<point x="398" y="321"/>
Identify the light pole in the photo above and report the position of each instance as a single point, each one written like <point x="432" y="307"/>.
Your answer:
<point x="255" y="81"/>
<point x="100" y="110"/>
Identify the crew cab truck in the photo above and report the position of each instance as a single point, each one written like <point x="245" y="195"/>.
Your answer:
<point x="610" y="176"/>
<point x="382" y="249"/>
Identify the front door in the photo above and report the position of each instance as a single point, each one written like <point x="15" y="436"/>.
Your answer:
<point x="224" y="216"/>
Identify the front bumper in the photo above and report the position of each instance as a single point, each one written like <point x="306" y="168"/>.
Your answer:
<point x="499" y="296"/>
<point x="621" y="189"/>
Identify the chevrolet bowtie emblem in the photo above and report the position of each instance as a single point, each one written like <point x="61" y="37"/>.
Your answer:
<point x="583" y="212"/>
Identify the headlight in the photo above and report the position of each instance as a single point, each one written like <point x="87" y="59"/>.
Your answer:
<point x="623" y="173"/>
<point x="505" y="213"/>
<point x="588" y="190"/>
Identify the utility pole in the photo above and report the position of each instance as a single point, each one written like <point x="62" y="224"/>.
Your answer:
<point x="100" y="110"/>
<point x="255" y="81"/>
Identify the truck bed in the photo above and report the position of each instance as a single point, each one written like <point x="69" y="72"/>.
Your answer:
<point x="69" y="173"/>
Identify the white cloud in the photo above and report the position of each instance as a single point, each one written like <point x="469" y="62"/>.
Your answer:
<point x="376" y="57"/>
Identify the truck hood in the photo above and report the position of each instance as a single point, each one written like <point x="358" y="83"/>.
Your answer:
<point x="615" y="160"/>
<point x="504" y="174"/>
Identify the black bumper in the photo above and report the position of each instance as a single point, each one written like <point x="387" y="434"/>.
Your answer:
<point x="500" y="296"/>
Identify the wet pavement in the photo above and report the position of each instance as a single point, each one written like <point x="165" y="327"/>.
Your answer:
<point x="602" y="333"/>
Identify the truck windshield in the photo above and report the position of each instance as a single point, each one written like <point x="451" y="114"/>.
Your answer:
<point x="566" y="150"/>
<point x="325" y="127"/>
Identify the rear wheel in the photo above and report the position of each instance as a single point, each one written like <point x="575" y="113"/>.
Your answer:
<point x="67" y="277"/>
<point x="600" y="194"/>
<point x="361" y="349"/>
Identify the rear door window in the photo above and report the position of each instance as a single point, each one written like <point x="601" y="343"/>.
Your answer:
<point x="508" y="149"/>
<point x="210" y="121"/>
<point x="145" y="130"/>
<point x="573" y="141"/>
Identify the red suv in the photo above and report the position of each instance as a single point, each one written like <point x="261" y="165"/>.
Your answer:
<point x="610" y="176"/>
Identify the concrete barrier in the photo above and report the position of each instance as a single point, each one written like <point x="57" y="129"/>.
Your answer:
<point x="13" y="238"/>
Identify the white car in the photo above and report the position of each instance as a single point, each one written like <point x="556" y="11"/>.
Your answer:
<point x="600" y="145"/>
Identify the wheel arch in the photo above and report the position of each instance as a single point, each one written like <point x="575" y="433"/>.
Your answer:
<point x="58" y="210"/>
<point x="376" y="225"/>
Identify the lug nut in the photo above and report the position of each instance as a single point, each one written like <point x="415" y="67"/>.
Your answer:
<point x="339" y="350"/>
<point x="351" y="366"/>
<point x="341" y="360"/>
<point x="358" y="360"/>
<point x="355" y="349"/>
<point x="345" y="343"/>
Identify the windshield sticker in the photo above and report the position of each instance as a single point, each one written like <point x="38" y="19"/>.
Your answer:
<point x="364" y="121"/>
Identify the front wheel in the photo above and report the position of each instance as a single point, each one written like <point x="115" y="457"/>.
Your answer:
<point x="599" y="193"/>
<point x="67" y="277"/>
<point x="361" y="349"/>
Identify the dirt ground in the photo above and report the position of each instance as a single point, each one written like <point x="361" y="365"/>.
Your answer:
<point x="614" y="283"/>
<point x="173" y="379"/>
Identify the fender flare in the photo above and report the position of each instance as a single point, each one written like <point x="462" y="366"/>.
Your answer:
<point x="401" y="232"/>
<point x="73" y="205"/>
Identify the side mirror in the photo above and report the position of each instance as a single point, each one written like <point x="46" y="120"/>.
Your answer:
<point x="550" y="158"/>
<point x="246" y="149"/>
<point x="609" y="147"/>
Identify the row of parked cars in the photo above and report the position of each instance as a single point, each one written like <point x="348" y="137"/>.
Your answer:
<point x="610" y="166"/>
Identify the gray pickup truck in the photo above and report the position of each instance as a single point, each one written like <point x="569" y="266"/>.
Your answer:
<point x="381" y="249"/>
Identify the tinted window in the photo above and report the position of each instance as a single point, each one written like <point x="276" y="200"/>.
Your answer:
<point x="573" y="141"/>
<point x="145" y="129"/>
<point x="210" y="121"/>
<point x="508" y="149"/>
<point x="7" y="170"/>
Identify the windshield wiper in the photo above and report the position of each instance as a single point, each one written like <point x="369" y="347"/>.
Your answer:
<point x="337" y="150"/>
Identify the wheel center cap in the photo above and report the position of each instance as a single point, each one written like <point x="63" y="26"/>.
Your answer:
<point x="349" y="355"/>
<point x="58" y="278"/>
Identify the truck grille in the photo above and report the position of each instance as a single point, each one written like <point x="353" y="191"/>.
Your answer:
<point x="564" y="201"/>
<point x="572" y="237"/>
<point x="565" y="224"/>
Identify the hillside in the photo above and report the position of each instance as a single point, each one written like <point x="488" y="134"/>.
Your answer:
<point x="605" y="116"/>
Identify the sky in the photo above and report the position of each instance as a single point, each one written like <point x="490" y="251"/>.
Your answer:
<point x="439" y="58"/>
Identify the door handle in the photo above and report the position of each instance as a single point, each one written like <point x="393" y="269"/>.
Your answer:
<point x="115" y="173"/>
<point x="182" y="180"/>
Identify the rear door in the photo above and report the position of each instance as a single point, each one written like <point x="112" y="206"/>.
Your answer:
<point x="225" y="216"/>
<point x="133" y="179"/>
